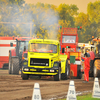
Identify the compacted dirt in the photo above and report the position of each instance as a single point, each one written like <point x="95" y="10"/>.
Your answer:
<point x="12" y="87"/>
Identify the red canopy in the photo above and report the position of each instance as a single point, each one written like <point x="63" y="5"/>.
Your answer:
<point x="92" y="55"/>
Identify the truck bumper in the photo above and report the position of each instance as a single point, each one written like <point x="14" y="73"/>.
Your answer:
<point x="38" y="71"/>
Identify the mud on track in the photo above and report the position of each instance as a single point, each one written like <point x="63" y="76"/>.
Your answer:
<point x="12" y="87"/>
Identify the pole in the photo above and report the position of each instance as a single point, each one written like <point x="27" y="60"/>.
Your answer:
<point x="30" y="29"/>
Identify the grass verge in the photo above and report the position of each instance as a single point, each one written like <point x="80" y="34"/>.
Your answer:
<point x="85" y="97"/>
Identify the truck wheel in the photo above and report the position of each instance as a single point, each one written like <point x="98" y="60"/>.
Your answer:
<point x="9" y="68"/>
<point x="96" y="71"/>
<point x="24" y="76"/>
<point x="64" y="76"/>
<point x="68" y="71"/>
<point x="15" y="66"/>
<point x="91" y="73"/>
<point x="79" y="73"/>
<point x="79" y="76"/>
<point x="58" y="76"/>
<point x="91" y="68"/>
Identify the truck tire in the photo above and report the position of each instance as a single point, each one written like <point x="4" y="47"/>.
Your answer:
<point x="58" y="76"/>
<point x="68" y="71"/>
<point x="9" y="67"/>
<point x="91" y="68"/>
<point x="64" y="76"/>
<point x="24" y="76"/>
<point x="79" y="73"/>
<point x="96" y="71"/>
<point x="91" y="73"/>
<point x="15" y="66"/>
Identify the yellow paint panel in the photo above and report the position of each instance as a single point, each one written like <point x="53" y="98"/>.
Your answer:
<point x="32" y="69"/>
<point x="76" y="54"/>
<point x="97" y="64"/>
<point x="45" y="70"/>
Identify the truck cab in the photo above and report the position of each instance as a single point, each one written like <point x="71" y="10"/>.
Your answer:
<point x="43" y="59"/>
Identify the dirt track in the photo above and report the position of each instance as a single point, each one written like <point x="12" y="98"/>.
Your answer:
<point x="12" y="87"/>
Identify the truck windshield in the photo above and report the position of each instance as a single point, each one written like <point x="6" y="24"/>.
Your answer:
<point x="68" y="39"/>
<point x="43" y="48"/>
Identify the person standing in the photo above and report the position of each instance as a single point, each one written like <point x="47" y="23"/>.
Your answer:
<point x="86" y="67"/>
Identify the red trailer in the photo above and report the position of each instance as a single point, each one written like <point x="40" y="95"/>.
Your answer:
<point x="4" y="50"/>
<point x="69" y="47"/>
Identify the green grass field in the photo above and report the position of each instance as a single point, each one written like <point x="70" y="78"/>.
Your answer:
<point x="84" y="97"/>
<point x="87" y="97"/>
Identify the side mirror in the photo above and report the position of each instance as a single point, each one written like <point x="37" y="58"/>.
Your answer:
<point x="63" y="50"/>
<point x="11" y="44"/>
<point x="68" y="46"/>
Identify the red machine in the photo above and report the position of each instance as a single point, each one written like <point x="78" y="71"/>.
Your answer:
<point x="69" y="44"/>
<point x="4" y="50"/>
<point x="18" y="54"/>
<point x="7" y="45"/>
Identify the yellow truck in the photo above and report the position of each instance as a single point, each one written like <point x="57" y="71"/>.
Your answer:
<point x="44" y="59"/>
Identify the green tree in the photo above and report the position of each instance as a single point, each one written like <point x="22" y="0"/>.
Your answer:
<point x="83" y="20"/>
<point x="10" y="14"/>
<point x="93" y="10"/>
<point x="66" y="14"/>
<point x="16" y="2"/>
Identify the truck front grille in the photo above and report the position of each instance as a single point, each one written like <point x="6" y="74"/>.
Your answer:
<point x="39" y="62"/>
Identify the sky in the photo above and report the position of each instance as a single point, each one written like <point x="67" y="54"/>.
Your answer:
<point x="81" y="4"/>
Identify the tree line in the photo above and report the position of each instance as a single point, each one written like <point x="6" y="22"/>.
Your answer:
<point x="44" y="20"/>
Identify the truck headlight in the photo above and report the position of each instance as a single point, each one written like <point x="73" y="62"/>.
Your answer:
<point x="51" y="70"/>
<point x="26" y="69"/>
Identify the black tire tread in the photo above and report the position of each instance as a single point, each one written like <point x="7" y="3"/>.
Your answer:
<point x="64" y="75"/>
<point x="9" y="66"/>
<point x="15" y="65"/>
<point x="56" y="77"/>
<point x="24" y="76"/>
<point x="79" y="73"/>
